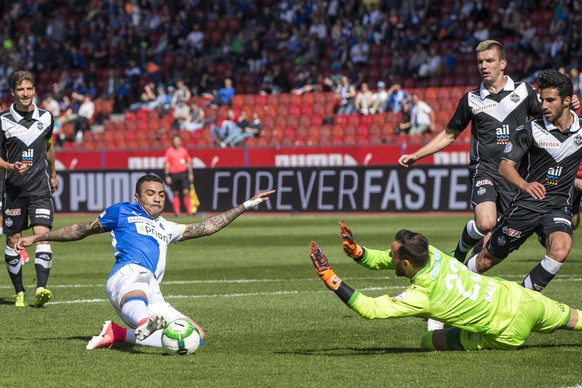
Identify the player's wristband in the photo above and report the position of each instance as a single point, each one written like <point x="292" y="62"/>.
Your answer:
<point x="344" y="292"/>
<point x="359" y="253"/>
<point x="252" y="203"/>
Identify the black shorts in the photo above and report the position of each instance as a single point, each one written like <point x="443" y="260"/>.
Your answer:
<point x="17" y="212"/>
<point x="180" y="181"/>
<point x="489" y="188"/>
<point x="517" y="224"/>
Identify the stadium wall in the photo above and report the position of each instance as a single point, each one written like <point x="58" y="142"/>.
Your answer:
<point x="381" y="155"/>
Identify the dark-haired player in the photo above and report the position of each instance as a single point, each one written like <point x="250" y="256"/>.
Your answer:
<point x="549" y="149"/>
<point x="140" y="236"/>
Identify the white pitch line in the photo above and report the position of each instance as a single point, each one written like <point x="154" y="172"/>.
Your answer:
<point x="185" y="297"/>
<point x="251" y="294"/>
<point x="567" y="278"/>
<point x="237" y="295"/>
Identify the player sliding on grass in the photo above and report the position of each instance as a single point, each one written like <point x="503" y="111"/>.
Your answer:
<point x="140" y="237"/>
<point x="485" y="313"/>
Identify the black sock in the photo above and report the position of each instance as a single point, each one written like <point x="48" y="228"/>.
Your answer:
<point x="44" y="268"/>
<point x="464" y="245"/>
<point x="14" y="267"/>
<point x="537" y="279"/>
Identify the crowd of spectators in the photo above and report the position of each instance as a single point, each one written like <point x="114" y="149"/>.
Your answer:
<point x="114" y="48"/>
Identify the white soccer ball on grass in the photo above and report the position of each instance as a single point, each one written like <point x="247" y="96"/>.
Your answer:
<point x="180" y="337"/>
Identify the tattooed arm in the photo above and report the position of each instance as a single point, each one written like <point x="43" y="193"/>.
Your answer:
<point x="72" y="232"/>
<point x="214" y="224"/>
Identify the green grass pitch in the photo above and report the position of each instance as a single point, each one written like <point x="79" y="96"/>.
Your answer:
<point x="269" y="320"/>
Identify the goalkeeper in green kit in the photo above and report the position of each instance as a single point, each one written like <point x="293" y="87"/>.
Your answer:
<point x="482" y="312"/>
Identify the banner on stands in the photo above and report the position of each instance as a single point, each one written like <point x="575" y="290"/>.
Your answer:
<point x="298" y="189"/>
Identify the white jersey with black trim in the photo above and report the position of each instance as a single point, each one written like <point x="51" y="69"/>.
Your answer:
<point x="493" y="117"/>
<point x="137" y="238"/>
<point x="550" y="157"/>
<point x="23" y="138"/>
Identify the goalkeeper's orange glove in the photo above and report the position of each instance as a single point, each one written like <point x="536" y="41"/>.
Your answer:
<point x="351" y="249"/>
<point x="322" y="267"/>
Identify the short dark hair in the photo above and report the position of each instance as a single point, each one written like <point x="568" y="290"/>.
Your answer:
<point x="19" y="76"/>
<point x="146" y="178"/>
<point x="552" y="78"/>
<point x="413" y="247"/>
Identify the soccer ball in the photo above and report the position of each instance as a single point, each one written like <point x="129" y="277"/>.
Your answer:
<point x="180" y="337"/>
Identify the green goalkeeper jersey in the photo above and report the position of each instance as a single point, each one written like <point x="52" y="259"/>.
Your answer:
<point x="444" y="290"/>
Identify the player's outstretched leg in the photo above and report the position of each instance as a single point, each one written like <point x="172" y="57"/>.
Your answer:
<point x="147" y="327"/>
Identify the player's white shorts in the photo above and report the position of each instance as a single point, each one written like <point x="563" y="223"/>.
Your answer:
<point x="133" y="277"/>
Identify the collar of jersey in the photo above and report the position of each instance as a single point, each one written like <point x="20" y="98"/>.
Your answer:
<point x="509" y="86"/>
<point x="575" y="127"/>
<point x="18" y="117"/>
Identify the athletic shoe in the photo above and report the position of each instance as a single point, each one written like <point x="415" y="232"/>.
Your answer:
<point x="42" y="296"/>
<point x="24" y="256"/>
<point x="104" y="339"/>
<point x="21" y="299"/>
<point x="155" y="322"/>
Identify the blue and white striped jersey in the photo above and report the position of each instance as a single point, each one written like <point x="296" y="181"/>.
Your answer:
<point x="137" y="238"/>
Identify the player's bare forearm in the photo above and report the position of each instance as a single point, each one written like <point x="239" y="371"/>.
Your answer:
<point x="68" y="233"/>
<point x="213" y="224"/>
<point x="508" y="172"/>
<point x="436" y="144"/>
<point x="72" y="232"/>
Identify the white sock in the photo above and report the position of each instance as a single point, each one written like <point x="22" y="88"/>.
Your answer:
<point x="471" y="264"/>
<point x="154" y="340"/>
<point x="46" y="261"/>
<point x="473" y="231"/>
<point x="432" y="325"/>
<point x="551" y="265"/>
<point x="135" y="310"/>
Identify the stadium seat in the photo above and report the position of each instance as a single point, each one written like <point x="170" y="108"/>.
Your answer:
<point x="317" y="119"/>
<point x="237" y="100"/>
<point x="294" y="110"/>
<point x="379" y="118"/>
<point x="354" y="119"/>
<point x="341" y="119"/>
<point x="367" y="119"/>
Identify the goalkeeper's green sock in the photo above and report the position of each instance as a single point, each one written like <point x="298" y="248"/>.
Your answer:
<point x="578" y="326"/>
